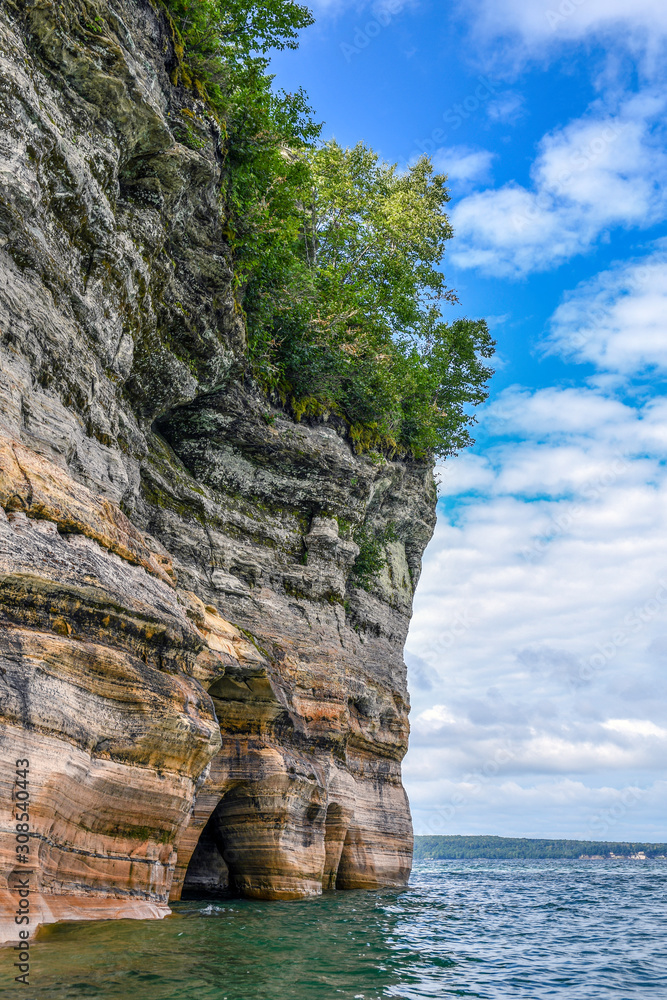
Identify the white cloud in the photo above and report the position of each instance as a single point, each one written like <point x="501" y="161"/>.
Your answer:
<point x="541" y="617"/>
<point x="507" y="108"/>
<point x="461" y="163"/>
<point x="550" y="808"/>
<point x="538" y="647"/>
<point x="556" y="411"/>
<point x="508" y="34"/>
<point x="636" y="727"/>
<point x="619" y="320"/>
<point x="434" y="719"/>
<point x="570" y="19"/>
<point x="601" y="171"/>
<point x="471" y="472"/>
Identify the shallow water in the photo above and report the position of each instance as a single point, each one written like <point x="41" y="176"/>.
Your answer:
<point x="492" y="929"/>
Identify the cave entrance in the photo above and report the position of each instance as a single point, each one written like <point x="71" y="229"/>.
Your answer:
<point x="252" y="845"/>
<point x="336" y="824"/>
<point x="208" y="874"/>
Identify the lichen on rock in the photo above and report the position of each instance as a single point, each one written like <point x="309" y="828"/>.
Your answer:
<point x="207" y="697"/>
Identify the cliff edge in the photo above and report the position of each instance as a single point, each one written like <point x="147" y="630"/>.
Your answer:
<point x="207" y="693"/>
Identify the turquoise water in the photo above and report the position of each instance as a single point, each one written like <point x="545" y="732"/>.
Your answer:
<point x="493" y="929"/>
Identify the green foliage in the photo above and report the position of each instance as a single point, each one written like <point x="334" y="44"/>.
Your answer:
<point x="352" y="322"/>
<point x="452" y="848"/>
<point x="222" y="46"/>
<point x="235" y="30"/>
<point x="372" y="556"/>
<point x="337" y="254"/>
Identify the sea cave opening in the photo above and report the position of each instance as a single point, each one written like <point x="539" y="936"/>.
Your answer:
<point x="208" y="873"/>
<point x="267" y="846"/>
<point x="336" y="824"/>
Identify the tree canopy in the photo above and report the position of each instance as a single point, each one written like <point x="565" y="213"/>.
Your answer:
<point x="354" y="325"/>
<point x="338" y="254"/>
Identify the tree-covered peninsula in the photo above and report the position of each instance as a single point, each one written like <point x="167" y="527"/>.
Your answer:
<point x="453" y="848"/>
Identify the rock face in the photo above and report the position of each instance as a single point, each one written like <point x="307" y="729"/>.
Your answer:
<point x="149" y="497"/>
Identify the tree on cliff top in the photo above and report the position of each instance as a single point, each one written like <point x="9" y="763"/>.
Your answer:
<point x="353" y="324"/>
<point x="237" y="30"/>
<point x="337" y="253"/>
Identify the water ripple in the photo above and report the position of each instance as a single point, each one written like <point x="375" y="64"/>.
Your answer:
<point x="497" y="930"/>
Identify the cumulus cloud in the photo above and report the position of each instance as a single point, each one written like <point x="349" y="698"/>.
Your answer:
<point x="540" y="629"/>
<point x="470" y="472"/>
<point x="542" y="612"/>
<point x="601" y="171"/>
<point x="508" y="34"/>
<point x="571" y="19"/>
<point x="463" y="164"/>
<point x="618" y="321"/>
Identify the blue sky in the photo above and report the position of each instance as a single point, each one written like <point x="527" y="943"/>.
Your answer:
<point x="538" y="649"/>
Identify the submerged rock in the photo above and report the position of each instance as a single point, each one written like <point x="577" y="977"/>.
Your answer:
<point x="150" y="496"/>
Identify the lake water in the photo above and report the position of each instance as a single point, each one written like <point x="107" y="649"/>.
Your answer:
<point x="493" y="929"/>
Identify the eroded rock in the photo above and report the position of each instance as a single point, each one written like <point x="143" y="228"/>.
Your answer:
<point x="208" y="697"/>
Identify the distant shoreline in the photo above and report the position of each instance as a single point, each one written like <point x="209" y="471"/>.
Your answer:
<point x="453" y="848"/>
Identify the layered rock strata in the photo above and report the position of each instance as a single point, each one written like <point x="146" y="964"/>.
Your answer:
<point x="150" y="496"/>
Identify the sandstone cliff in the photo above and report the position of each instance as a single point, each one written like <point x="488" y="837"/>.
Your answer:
<point x="150" y="497"/>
